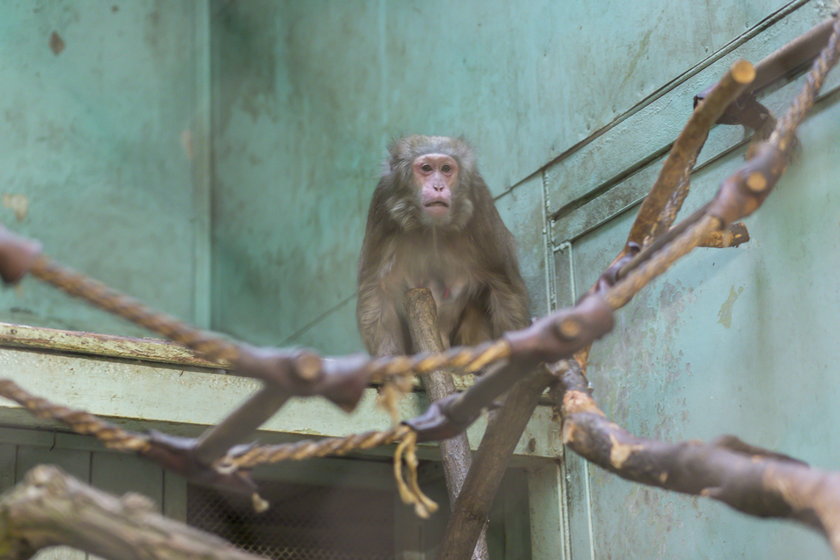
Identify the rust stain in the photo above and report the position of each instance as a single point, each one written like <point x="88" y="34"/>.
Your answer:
<point x="725" y="313"/>
<point x="18" y="203"/>
<point x="56" y="43"/>
<point x="641" y="51"/>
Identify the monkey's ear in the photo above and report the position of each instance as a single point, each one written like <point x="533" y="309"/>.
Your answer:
<point x="465" y="153"/>
<point x="393" y="159"/>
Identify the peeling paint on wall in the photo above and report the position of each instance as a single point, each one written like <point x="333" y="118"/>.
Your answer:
<point x="725" y="313"/>
<point x="18" y="203"/>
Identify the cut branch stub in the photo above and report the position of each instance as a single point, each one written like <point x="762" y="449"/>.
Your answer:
<point x="304" y="373"/>
<point x="745" y="190"/>
<point x="17" y="254"/>
<point x="564" y="332"/>
<point x="736" y="234"/>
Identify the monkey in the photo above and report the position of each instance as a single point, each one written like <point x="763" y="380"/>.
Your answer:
<point x="432" y="223"/>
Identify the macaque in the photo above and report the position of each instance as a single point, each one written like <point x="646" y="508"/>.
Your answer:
<point x="432" y="224"/>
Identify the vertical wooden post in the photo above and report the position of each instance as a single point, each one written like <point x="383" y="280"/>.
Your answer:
<point x="491" y="460"/>
<point x="455" y="452"/>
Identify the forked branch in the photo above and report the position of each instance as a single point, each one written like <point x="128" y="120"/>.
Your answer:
<point x="750" y="479"/>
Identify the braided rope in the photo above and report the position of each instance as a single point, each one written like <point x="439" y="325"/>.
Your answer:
<point x="309" y="449"/>
<point x="79" y="421"/>
<point x="620" y="294"/>
<point x="786" y="126"/>
<point x="463" y="359"/>
<point x="100" y="295"/>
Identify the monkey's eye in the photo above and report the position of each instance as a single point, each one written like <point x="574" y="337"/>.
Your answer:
<point x="446" y="168"/>
<point x="426" y="167"/>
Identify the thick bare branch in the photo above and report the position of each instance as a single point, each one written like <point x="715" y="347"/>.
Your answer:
<point x="792" y="57"/>
<point x="506" y="425"/>
<point x="50" y="508"/>
<point x="241" y="423"/>
<point x="750" y="479"/>
<point x="661" y="205"/>
<point x="455" y="451"/>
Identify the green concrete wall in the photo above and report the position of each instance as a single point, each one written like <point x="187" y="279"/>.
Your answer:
<point x="307" y="94"/>
<point x="734" y="341"/>
<point x="103" y="112"/>
<point x="569" y="106"/>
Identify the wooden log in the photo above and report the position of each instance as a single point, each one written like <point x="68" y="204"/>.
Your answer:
<point x="50" y="508"/>
<point x="455" y="452"/>
<point x="491" y="460"/>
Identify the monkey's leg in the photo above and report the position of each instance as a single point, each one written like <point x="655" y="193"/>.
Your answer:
<point x="455" y="452"/>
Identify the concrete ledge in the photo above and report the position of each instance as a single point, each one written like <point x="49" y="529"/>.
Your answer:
<point x="134" y="383"/>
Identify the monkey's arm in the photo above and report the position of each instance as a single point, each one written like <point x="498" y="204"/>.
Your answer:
<point x="508" y="303"/>
<point x="376" y="314"/>
<point x="379" y="324"/>
<point x="507" y="297"/>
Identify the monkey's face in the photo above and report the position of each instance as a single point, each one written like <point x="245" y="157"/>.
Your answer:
<point x="436" y="180"/>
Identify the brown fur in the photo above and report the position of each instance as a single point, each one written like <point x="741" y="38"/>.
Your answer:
<point x="469" y="263"/>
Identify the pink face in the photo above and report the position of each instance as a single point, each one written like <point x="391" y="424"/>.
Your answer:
<point x="435" y="176"/>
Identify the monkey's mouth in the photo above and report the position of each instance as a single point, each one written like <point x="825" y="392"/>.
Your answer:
<point x="437" y="209"/>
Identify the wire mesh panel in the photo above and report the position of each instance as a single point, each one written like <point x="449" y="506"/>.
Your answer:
<point x="304" y="522"/>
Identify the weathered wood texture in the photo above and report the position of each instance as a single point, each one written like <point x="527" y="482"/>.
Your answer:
<point x="490" y="462"/>
<point x="455" y="452"/>
<point x="750" y="479"/>
<point x="50" y="508"/>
